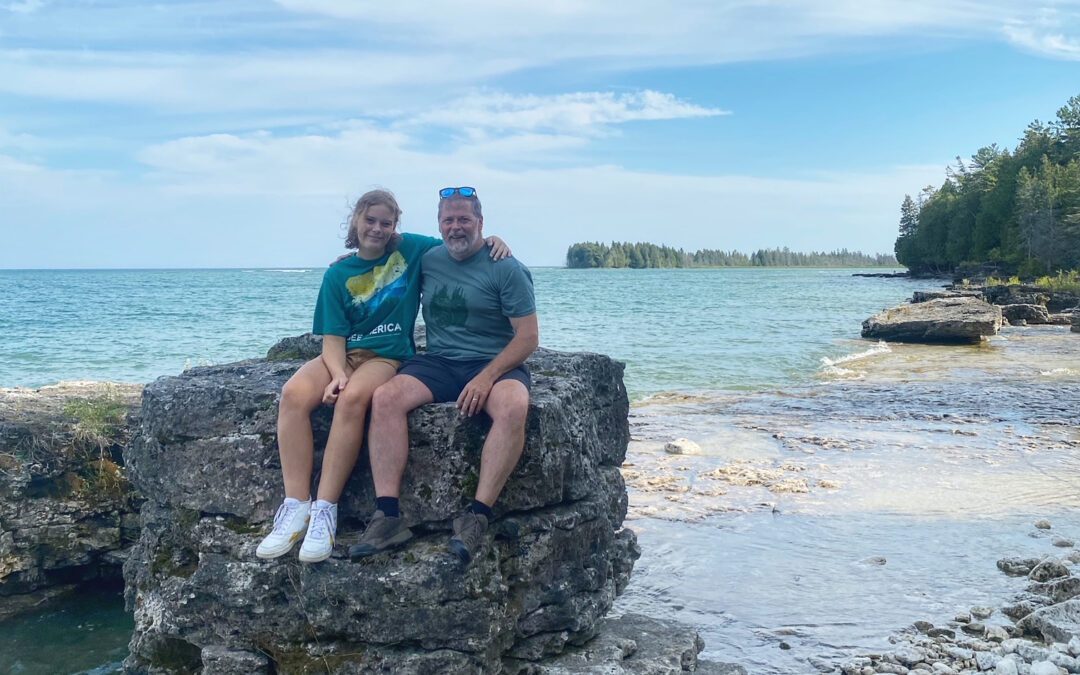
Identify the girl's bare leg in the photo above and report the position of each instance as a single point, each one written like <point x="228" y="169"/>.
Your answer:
<point x="347" y="429"/>
<point x="299" y="397"/>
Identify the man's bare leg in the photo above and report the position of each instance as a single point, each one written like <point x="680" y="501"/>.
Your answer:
<point x="508" y="407"/>
<point x="388" y="443"/>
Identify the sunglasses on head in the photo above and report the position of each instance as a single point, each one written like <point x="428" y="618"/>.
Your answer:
<point x="451" y="191"/>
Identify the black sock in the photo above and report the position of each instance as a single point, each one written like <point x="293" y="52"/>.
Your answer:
<point x="483" y="509"/>
<point x="388" y="505"/>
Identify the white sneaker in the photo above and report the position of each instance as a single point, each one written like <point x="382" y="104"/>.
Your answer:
<point x="289" y="523"/>
<point x="319" y="540"/>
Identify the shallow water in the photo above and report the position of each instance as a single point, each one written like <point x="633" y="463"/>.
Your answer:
<point x="936" y="459"/>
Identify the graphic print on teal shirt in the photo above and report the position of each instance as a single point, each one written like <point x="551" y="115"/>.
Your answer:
<point x="449" y="309"/>
<point x="371" y="289"/>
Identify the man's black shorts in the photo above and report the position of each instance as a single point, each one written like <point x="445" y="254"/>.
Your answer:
<point x="447" y="377"/>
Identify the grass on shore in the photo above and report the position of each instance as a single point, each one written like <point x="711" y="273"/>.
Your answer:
<point x="1062" y="282"/>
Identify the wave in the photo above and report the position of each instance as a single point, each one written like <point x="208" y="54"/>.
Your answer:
<point x="879" y="348"/>
<point x="1059" y="371"/>
<point x="288" y="271"/>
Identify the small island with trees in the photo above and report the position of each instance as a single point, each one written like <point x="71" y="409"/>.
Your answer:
<point x="646" y="255"/>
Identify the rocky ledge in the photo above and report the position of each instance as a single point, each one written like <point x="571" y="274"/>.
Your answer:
<point x="67" y="514"/>
<point x="937" y="320"/>
<point x="205" y="458"/>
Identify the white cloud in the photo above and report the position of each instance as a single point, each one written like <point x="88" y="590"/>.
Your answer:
<point x="582" y="112"/>
<point x="264" y="200"/>
<point x="1045" y="34"/>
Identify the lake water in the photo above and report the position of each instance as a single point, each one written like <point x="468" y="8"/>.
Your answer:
<point x="820" y="453"/>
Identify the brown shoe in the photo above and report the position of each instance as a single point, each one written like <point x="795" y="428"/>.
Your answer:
<point x="382" y="532"/>
<point x="469" y="531"/>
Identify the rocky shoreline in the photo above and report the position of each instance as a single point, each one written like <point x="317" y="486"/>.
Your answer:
<point x="1037" y="634"/>
<point x="964" y="313"/>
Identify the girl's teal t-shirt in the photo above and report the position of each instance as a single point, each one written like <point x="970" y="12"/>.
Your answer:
<point x="373" y="303"/>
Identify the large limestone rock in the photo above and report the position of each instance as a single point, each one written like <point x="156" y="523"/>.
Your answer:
<point x="205" y="457"/>
<point x="959" y="319"/>
<point x="1020" y="313"/>
<point x="67" y="514"/>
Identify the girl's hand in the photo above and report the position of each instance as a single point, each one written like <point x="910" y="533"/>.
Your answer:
<point x="499" y="248"/>
<point x="334" y="389"/>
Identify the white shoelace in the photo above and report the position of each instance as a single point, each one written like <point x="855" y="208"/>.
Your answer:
<point x="322" y="523"/>
<point x="284" y="515"/>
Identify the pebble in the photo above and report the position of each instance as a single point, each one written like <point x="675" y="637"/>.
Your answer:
<point x="980" y="612"/>
<point x="1043" y="524"/>
<point x="963" y="617"/>
<point x="922" y="626"/>
<point x="1006" y="667"/>
<point x="974" y="628"/>
<point x="986" y="660"/>
<point x="941" y="632"/>
<point x="1074" y="646"/>
<point x="996" y="633"/>
<point x="682" y="446"/>
<point x="909" y="656"/>
<point x="1062" y="542"/>
<point x="1043" y="668"/>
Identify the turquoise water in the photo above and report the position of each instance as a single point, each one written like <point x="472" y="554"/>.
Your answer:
<point x="683" y="330"/>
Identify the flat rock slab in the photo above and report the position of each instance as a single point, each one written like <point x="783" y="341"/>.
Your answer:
<point x="635" y="645"/>
<point x="943" y="320"/>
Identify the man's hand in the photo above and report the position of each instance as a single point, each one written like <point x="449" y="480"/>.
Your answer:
<point x="472" y="398"/>
<point x="342" y="257"/>
<point x="334" y="389"/>
<point x="499" y="248"/>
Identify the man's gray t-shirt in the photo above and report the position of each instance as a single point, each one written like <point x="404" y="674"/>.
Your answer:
<point x="468" y="305"/>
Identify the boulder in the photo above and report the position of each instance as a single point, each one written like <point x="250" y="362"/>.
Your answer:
<point x="634" y="645"/>
<point x="1055" y="623"/>
<point x="1075" y="322"/>
<point x="924" y="296"/>
<point x="1035" y="314"/>
<point x="67" y="514"/>
<point x="555" y="558"/>
<point x="943" y="320"/>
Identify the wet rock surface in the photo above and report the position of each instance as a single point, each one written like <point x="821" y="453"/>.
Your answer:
<point x="553" y="562"/>
<point x="940" y="320"/>
<point x="67" y="515"/>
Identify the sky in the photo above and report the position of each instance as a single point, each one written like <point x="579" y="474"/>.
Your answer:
<point x="235" y="133"/>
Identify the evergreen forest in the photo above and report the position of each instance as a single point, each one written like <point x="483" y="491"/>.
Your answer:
<point x="1019" y="209"/>
<point x="641" y="255"/>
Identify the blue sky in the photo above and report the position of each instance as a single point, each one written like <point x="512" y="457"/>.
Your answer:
<point x="233" y="133"/>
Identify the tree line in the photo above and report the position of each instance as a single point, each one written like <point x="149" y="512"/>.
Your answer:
<point x="646" y="255"/>
<point x="1019" y="209"/>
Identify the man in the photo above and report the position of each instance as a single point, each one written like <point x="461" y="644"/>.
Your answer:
<point x="481" y="326"/>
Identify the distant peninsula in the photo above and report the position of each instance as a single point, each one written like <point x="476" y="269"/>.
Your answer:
<point x="645" y="255"/>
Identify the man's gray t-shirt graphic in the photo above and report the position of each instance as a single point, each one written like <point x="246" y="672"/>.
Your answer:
<point x="468" y="304"/>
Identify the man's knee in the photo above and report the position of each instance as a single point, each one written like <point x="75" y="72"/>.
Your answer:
<point x="509" y="402"/>
<point x="397" y="396"/>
